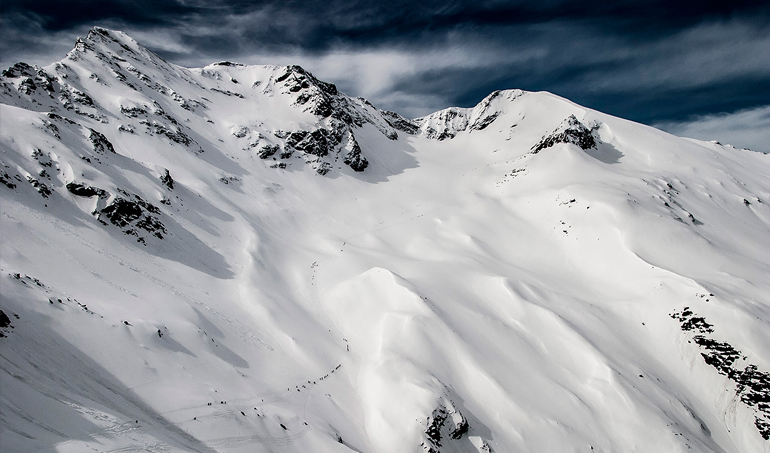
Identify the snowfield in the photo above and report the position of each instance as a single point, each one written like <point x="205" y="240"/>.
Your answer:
<point x="243" y="259"/>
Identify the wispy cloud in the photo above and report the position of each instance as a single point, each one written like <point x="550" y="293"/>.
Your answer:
<point x="649" y="61"/>
<point x="748" y="128"/>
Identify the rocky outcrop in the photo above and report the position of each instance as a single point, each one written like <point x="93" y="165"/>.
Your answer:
<point x="445" y="424"/>
<point x="400" y="123"/>
<point x="569" y="131"/>
<point x="100" y="143"/>
<point x="319" y="98"/>
<point x="85" y="190"/>
<point x="318" y="142"/>
<point x="167" y="180"/>
<point x="132" y="216"/>
<point x="751" y="385"/>
<point x="446" y="124"/>
<point x="353" y="157"/>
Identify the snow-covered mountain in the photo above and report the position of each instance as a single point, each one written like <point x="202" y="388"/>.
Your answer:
<point x="242" y="258"/>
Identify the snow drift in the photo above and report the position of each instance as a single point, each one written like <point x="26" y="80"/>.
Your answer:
<point x="243" y="258"/>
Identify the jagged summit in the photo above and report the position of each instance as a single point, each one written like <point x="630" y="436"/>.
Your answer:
<point x="156" y="95"/>
<point x="114" y="40"/>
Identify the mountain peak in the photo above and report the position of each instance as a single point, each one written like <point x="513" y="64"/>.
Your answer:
<point x="177" y="275"/>
<point x="113" y="45"/>
<point x="447" y="123"/>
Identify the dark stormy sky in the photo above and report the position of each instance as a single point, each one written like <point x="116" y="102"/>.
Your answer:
<point x="700" y="69"/>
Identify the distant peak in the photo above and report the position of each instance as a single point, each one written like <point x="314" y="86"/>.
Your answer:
<point x="110" y="41"/>
<point x="113" y="45"/>
<point x="447" y="123"/>
<point x="20" y="69"/>
<point x="99" y="34"/>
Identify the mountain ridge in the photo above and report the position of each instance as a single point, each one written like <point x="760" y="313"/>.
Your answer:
<point x="242" y="258"/>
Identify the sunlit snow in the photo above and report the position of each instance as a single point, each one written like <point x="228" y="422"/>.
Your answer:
<point x="241" y="259"/>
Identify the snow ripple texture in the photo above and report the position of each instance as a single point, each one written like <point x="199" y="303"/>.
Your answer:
<point x="244" y="259"/>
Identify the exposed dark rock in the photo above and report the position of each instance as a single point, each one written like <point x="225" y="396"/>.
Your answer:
<point x="445" y="124"/>
<point x="690" y="322"/>
<point x="176" y="136"/>
<point x="354" y="159"/>
<point x="42" y="189"/>
<point x="27" y="86"/>
<point x="100" y="142"/>
<point x="296" y="137"/>
<point x="82" y="98"/>
<point x="167" y="180"/>
<point x="228" y="92"/>
<point x="433" y="431"/>
<point x="6" y="180"/>
<point x="323" y="168"/>
<point x="268" y="151"/>
<point x="56" y="117"/>
<point x="319" y="142"/>
<point x="482" y="123"/>
<point x="228" y="179"/>
<point x="444" y="419"/>
<point x="460" y="429"/>
<point x="570" y="131"/>
<point x="752" y="385"/>
<point x="18" y="70"/>
<point x="5" y="321"/>
<point x="400" y="123"/>
<point x="128" y="215"/>
<point x="133" y="112"/>
<point x="84" y="190"/>
<point x="26" y="278"/>
<point x="241" y="132"/>
<point x="52" y="129"/>
<point x="319" y="98"/>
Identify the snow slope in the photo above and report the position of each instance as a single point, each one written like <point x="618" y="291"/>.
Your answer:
<point x="241" y="258"/>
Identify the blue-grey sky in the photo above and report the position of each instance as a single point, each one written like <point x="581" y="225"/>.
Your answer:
<point x="695" y="68"/>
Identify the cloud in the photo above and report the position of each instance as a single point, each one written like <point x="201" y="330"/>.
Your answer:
<point x="648" y="61"/>
<point x="749" y="128"/>
<point x="24" y="39"/>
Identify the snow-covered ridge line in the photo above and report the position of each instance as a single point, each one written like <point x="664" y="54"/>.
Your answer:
<point x="447" y="123"/>
<point x="525" y="275"/>
<point x="148" y="85"/>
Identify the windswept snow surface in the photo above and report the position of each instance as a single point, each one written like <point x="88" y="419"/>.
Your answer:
<point x="242" y="259"/>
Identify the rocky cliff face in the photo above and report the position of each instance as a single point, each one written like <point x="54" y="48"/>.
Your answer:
<point x="161" y="99"/>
